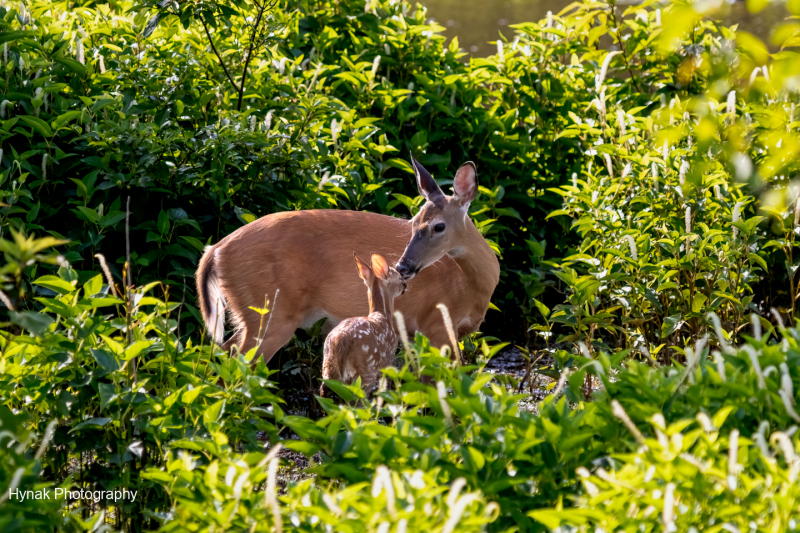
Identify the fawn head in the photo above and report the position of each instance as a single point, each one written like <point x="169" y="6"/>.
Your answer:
<point x="382" y="280"/>
<point x="441" y="225"/>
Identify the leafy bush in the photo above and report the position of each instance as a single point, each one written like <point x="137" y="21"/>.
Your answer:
<point x="691" y="481"/>
<point x="663" y="206"/>
<point x="110" y="385"/>
<point x="215" y="489"/>
<point x="151" y="415"/>
<point x="22" y="471"/>
<point x="102" y="108"/>
<point x="201" y="145"/>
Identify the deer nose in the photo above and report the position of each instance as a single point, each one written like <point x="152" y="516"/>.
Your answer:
<point x="404" y="270"/>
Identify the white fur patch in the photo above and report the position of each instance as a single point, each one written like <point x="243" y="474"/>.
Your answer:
<point x="217" y="318"/>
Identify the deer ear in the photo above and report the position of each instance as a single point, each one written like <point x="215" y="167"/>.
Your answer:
<point x="380" y="267"/>
<point x="425" y="183"/>
<point x="465" y="184"/>
<point x="364" y="270"/>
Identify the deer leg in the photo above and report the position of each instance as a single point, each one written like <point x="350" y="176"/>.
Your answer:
<point x="439" y="337"/>
<point x="366" y="371"/>
<point x="279" y="333"/>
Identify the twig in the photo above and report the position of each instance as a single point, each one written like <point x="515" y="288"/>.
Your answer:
<point x="128" y="282"/>
<point x="221" y="62"/>
<point x="249" y="55"/>
<point x="128" y="243"/>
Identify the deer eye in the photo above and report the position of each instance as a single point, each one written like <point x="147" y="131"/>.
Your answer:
<point x="438" y="228"/>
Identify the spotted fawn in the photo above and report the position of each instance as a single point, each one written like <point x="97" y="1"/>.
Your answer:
<point x="361" y="346"/>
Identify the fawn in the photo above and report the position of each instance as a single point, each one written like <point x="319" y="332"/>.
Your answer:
<point x="361" y="346"/>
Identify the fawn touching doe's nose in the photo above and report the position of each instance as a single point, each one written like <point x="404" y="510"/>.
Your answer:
<point x="361" y="346"/>
<point x="306" y="254"/>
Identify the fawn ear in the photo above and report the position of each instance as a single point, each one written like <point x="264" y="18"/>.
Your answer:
<point x="364" y="270"/>
<point x="465" y="184"/>
<point x="380" y="267"/>
<point x="425" y="183"/>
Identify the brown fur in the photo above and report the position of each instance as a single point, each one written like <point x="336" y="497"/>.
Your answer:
<point x="306" y="254"/>
<point x="361" y="346"/>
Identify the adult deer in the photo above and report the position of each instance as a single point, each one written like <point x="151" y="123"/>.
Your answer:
<point x="307" y="256"/>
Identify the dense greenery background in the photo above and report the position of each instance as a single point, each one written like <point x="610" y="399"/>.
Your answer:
<point x="636" y="168"/>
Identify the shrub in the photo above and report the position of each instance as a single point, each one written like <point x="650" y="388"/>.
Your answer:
<point x="214" y="489"/>
<point x="107" y="384"/>
<point x="664" y="205"/>
<point x="148" y="115"/>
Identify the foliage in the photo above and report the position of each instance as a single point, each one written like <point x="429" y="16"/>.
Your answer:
<point x="120" y="388"/>
<point x="97" y="113"/>
<point x="663" y="204"/>
<point x="164" y="127"/>
<point x="691" y="480"/>
<point x="19" y="470"/>
<point x="202" y="139"/>
<point x="185" y="427"/>
<point x="215" y="490"/>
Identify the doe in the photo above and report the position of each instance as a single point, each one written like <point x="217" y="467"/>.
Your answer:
<point x="361" y="346"/>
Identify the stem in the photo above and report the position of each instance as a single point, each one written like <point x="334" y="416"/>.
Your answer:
<point x="128" y="240"/>
<point x="249" y="55"/>
<point x="128" y="283"/>
<point x="618" y="35"/>
<point x="221" y="62"/>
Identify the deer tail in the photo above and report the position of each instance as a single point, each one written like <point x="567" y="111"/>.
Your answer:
<point x="212" y="301"/>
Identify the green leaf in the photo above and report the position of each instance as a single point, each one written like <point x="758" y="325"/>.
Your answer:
<point x="6" y="37"/>
<point x="36" y="323"/>
<point x="191" y="395"/>
<point x="473" y="459"/>
<point x="90" y="214"/>
<point x="93" y="286"/>
<point x="244" y="215"/>
<point x="671" y="325"/>
<point x="65" y="118"/>
<point x="214" y="412"/>
<point x="585" y="289"/>
<point x="400" y="164"/>
<point x="339" y="388"/>
<point x="342" y="443"/>
<point x="308" y="449"/>
<point x="105" y="359"/>
<point x="698" y="302"/>
<point x="91" y="423"/>
<point x="194" y="242"/>
<point x="720" y="416"/>
<point x="111" y="218"/>
<point x="100" y="104"/>
<point x="41" y="127"/>
<point x="139" y="348"/>
<point x="756" y="258"/>
<point x="108" y="393"/>
<point x="553" y="519"/>
<point x="163" y="222"/>
<point x="542" y="308"/>
<point x="54" y="283"/>
<point x="73" y="65"/>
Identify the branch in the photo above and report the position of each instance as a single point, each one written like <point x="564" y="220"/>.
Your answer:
<point x="221" y="62"/>
<point x="253" y="40"/>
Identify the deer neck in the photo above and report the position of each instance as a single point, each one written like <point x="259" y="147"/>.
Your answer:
<point x="477" y="261"/>
<point x="378" y="303"/>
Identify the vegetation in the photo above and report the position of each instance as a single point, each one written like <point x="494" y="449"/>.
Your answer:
<point x="636" y="167"/>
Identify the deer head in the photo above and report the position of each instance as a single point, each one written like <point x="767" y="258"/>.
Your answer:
<point x="441" y="225"/>
<point x="383" y="282"/>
